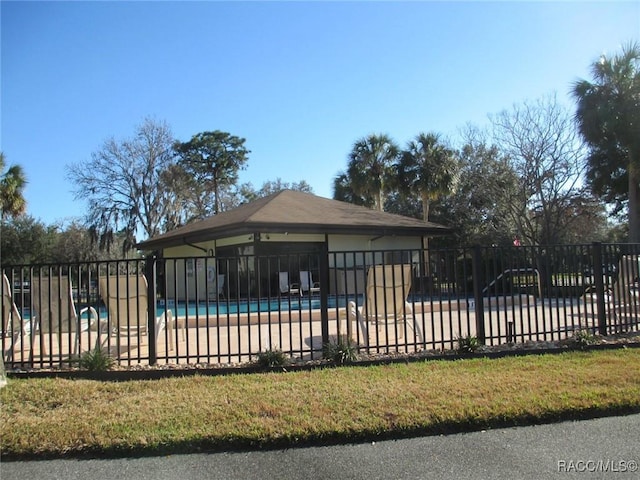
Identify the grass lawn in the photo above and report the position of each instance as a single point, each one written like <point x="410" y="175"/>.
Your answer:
<point x="67" y="417"/>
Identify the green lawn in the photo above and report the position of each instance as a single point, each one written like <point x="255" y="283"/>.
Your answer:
<point x="61" y="417"/>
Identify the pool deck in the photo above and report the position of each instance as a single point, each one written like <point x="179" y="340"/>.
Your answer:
<point x="240" y="337"/>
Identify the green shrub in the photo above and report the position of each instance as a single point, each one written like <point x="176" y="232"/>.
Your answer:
<point x="468" y="344"/>
<point x="272" y="358"/>
<point x="583" y="338"/>
<point x="341" y="352"/>
<point x="96" y="360"/>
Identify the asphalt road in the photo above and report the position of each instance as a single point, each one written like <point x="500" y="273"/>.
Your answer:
<point x="599" y="448"/>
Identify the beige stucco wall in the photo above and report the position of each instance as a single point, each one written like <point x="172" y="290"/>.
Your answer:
<point x="291" y="237"/>
<point x="347" y="270"/>
<point x="348" y="243"/>
<point x="192" y="278"/>
<point x="205" y="249"/>
<point x="190" y="251"/>
<point x="351" y="243"/>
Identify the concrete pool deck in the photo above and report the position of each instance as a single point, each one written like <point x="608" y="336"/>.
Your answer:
<point x="237" y="338"/>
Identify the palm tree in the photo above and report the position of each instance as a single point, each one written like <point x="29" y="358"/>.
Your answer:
<point x="12" y="182"/>
<point x="370" y="167"/>
<point x="12" y="203"/>
<point x="428" y="168"/>
<point x="608" y="118"/>
<point x="343" y="191"/>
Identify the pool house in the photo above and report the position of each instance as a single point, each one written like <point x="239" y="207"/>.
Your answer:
<point x="282" y="244"/>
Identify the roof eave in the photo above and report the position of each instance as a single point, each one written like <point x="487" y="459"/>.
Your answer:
<point x="247" y="229"/>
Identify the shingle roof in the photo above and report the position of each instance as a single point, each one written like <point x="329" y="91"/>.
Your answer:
<point x="295" y="212"/>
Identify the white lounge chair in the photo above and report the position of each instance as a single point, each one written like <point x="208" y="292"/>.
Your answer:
<point x="55" y="312"/>
<point x="385" y="302"/>
<point x="287" y="288"/>
<point x="307" y="284"/>
<point x="12" y="323"/>
<point x="626" y="290"/>
<point x="127" y="302"/>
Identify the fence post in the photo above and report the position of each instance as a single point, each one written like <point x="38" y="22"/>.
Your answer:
<point x="476" y="269"/>
<point x="599" y="285"/>
<point x="150" y="274"/>
<point x="324" y="290"/>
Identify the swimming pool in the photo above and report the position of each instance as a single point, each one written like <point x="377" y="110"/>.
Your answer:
<point x="280" y="304"/>
<point x="233" y="307"/>
<point x="229" y="307"/>
<point x="224" y="307"/>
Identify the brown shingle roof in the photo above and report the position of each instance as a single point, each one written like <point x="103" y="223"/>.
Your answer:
<point x="295" y="212"/>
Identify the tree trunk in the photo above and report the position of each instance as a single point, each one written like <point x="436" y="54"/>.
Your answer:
<point x="425" y="206"/>
<point x="634" y="206"/>
<point x="425" y="240"/>
<point x="216" y="204"/>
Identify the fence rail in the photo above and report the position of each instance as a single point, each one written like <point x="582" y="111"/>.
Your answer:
<point x="228" y="310"/>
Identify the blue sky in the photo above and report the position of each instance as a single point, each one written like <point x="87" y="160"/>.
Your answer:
<point x="301" y="81"/>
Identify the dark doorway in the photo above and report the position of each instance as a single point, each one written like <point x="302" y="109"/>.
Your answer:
<point x="293" y="258"/>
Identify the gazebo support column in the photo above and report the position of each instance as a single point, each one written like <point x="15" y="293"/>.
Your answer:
<point x="324" y="290"/>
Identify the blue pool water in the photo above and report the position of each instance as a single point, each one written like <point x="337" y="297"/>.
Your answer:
<point x="230" y="307"/>
<point x="224" y="307"/>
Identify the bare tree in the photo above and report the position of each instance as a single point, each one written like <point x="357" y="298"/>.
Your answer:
<point x="543" y="147"/>
<point x="125" y="184"/>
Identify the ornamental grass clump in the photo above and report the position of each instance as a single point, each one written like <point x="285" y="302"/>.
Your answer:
<point x="271" y="358"/>
<point x="468" y="344"/>
<point x="96" y="360"/>
<point x="341" y="352"/>
<point x="583" y="338"/>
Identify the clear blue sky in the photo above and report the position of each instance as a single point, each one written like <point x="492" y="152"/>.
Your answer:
<point x="301" y="81"/>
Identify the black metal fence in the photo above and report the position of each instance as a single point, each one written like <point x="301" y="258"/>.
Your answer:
<point x="228" y="310"/>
